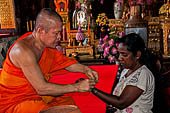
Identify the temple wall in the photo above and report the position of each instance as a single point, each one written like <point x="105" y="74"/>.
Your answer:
<point x="5" y="43"/>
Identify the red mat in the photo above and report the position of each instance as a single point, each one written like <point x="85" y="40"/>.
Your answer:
<point x="87" y="102"/>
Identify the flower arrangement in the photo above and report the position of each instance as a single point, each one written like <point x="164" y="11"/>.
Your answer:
<point x="102" y="19"/>
<point x="111" y="44"/>
<point x="164" y="9"/>
<point x="102" y="25"/>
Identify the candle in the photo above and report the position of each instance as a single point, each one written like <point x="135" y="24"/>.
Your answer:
<point x="74" y="42"/>
<point x="168" y="6"/>
<point x="56" y="5"/>
<point x="31" y="25"/>
<point x="27" y="26"/>
<point x="64" y="36"/>
<point x="168" y="3"/>
<point x="69" y="29"/>
<point x="67" y="5"/>
<point x="88" y="28"/>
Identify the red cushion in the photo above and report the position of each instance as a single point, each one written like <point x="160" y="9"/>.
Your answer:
<point x="87" y="102"/>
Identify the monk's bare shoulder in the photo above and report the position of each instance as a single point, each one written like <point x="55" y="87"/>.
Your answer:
<point x="21" y="53"/>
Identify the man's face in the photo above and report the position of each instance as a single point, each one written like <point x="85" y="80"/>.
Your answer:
<point x="126" y="58"/>
<point x="53" y="36"/>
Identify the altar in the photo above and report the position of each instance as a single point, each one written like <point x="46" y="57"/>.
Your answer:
<point x="83" y="47"/>
<point x="79" y="50"/>
<point x="78" y="33"/>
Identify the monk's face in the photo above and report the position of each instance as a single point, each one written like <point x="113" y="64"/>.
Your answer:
<point x="53" y="35"/>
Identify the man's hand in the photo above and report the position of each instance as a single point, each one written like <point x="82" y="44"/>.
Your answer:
<point x="84" y="85"/>
<point x="91" y="74"/>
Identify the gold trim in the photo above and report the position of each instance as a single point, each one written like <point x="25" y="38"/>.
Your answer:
<point x="166" y="28"/>
<point x="7" y="18"/>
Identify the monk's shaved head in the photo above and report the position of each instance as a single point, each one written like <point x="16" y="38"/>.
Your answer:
<point x="46" y="18"/>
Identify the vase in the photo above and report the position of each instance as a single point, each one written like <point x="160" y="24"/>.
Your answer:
<point x="136" y="24"/>
<point x="135" y="19"/>
<point x="80" y="36"/>
<point x="118" y="10"/>
<point x="99" y="46"/>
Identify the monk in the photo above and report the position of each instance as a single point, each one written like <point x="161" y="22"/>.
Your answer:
<point x="31" y="61"/>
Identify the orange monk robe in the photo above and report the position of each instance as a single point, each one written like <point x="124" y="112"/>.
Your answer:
<point x="15" y="90"/>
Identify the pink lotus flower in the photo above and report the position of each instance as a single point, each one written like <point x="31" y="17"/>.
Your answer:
<point x="110" y="48"/>
<point x="117" y="45"/>
<point x="114" y="51"/>
<point x="103" y="45"/>
<point x="111" y="58"/>
<point x="78" y="4"/>
<point x="106" y="50"/>
<point x="105" y="38"/>
<point x="121" y="34"/>
<point x="111" y="42"/>
<point x="104" y="54"/>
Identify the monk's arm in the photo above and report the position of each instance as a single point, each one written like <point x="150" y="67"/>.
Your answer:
<point x="77" y="67"/>
<point x="25" y="59"/>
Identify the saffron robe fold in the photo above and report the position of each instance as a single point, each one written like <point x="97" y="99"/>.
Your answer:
<point x="15" y="88"/>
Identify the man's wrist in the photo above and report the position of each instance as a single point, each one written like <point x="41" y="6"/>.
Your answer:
<point x="76" y="88"/>
<point x="86" y="69"/>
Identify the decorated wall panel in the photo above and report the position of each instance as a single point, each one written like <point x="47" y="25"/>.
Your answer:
<point x="7" y="17"/>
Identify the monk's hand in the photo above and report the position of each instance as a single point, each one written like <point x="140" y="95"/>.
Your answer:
<point x="83" y="85"/>
<point x="92" y="83"/>
<point x="91" y="74"/>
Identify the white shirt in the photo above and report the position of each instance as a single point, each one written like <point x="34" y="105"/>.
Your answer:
<point x="143" y="79"/>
